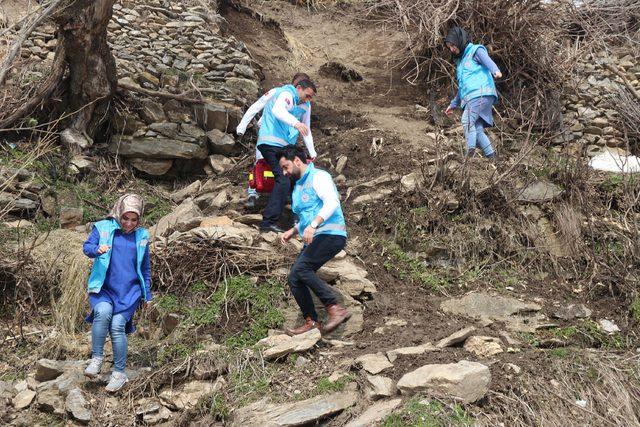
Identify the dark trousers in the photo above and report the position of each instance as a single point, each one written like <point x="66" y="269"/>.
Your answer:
<point x="281" y="190"/>
<point x="303" y="277"/>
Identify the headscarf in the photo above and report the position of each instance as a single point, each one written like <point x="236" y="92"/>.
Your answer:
<point x="127" y="203"/>
<point x="459" y="38"/>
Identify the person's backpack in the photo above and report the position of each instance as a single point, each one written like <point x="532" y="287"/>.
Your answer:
<point x="261" y="177"/>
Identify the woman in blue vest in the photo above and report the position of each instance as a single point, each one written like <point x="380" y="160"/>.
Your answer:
<point x="477" y="93"/>
<point x="119" y="283"/>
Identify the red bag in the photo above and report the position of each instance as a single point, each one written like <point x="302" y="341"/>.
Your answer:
<point x="261" y="177"/>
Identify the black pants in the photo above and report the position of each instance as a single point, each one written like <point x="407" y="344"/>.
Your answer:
<point x="303" y="277"/>
<point x="281" y="190"/>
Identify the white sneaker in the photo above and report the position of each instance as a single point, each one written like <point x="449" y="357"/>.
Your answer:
<point x="95" y="365"/>
<point x="117" y="381"/>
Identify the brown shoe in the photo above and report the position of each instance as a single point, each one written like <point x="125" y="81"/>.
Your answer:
<point x="337" y="314"/>
<point x="309" y="324"/>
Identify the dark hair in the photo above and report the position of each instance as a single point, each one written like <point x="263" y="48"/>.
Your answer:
<point x="291" y="152"/>
<point x="306" y="83"/>
<point x="300" y="77"/>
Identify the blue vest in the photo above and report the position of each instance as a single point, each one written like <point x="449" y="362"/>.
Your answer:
<point x="474" y="80"/>
<point x="106" y="230"/>
<point x="274" y="132"/>
<point x="306" y="204"/>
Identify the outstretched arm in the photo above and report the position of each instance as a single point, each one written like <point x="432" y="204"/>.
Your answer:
<point x="308" y="139"/>
<point x="254" y="109"/>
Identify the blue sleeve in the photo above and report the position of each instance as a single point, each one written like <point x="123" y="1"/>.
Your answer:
<point x="455" y="102"/>
<point x="146" y="272"/>
<point x="90" y="247"/>
<point x="482" y="57"/>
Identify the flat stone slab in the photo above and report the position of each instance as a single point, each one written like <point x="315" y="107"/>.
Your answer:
<point x="539" y="191"/>
<point x="375" y="413"/>
<point x="517" y="315"/>
<point x="23" y="399"/>
<point x="392" y="355"/>
<point x="77" y="406"/>
<point x="310" y="411"/>
<point x="188" y="395"/>
<point x="374" y="363"/>
<point x="466" y="381"/>
<point x="456" y="337"/>
<point x="483" y="346"/>
<point x="381" y="386"/>
<point x="281" y="345"/>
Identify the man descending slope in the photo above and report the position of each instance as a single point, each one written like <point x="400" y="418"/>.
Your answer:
<point x="321" y="224"/>
<point x="280" y="127"/>
<point x="257" y="107"/>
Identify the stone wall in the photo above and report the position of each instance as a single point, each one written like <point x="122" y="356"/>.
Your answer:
<point x="173" y="48"/>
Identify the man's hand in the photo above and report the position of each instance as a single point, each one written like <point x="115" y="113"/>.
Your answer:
<point x="448" y="111"/>
<point x="302" y="128"/>
<point x="497" y="74"/>
<point x="103" y="248"/>
<point x="287" y="235"/>
<point x="307" y="236"/>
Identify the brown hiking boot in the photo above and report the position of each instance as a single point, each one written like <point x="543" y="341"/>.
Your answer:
<point x="309" y="324"/>
<point x="337" y="314"/>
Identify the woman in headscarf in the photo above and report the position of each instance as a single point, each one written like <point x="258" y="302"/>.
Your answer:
<point x="119" y="283"/>
<point x="475" y="72"/>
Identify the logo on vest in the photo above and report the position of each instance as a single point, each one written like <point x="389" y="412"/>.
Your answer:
<point x="143" y="242"/>
<point x="305" y="197"/>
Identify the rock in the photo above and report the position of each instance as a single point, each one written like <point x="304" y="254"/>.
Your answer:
<point x="392" y="355"/>
<point x="208" y="370"/>
<point x="146" y="77"/>
<point x="250" y="219"/>
<point x="372" y="197"/>
<point x="281" y="345"/>
<point x="216" y="221"/>
<point x="409" y="182"/>
<point x="573" y="311"/>
<point x="513" y="368"/>
<point x="301" y="361"/>
<point x="483" y="346"/>
<point x="193" y="132"/>
<point x="168" y="129"/>
<point x="374" y="363"/>
<point x="220" y="142"/>
<point x="217" y="116"/>
<point x="74" y="140"/>
<point x="20" y="223"/>
<point x="375" y="413"/>
<point x="147" y="406"/>
<point x="187" y="209"/>
<point x="169" y="323"/>
<point x="82" y="164"/>
<point x="380" y="387"/>
<point x="71" y="217"/>
<point x="341" y="163"/>
<point x="339" y="71"/>
<point x="6" y="390"/>
<point x="608" y="326"/>
<point x="517" y="315"/>
<point x="188" y="191"/>
<point x="456" y="337"/>
<point x="23" y="399"/>
<point x="390" y="321"/>
<point x="152" y="112"/>
<point x="163" y="415"/>
<point x="539" y="191"/>
<point x="47" y="370"/>
<point x="151" y="166"/>
<point x="243" y="87"/>
<point x="157" y="148"/>
<point x="219" y="163"/>
<point x="51" y="402"/>
<point x="77" y="406"/>
<point x="221" y="200"/>
<point x="238" y="234"/>
<point x="467" y="381"/>
<point x="337" y="376"/>
<point x="352" y="277"/>
<point x="187" y="396"/>
<point x="306" y="412"/>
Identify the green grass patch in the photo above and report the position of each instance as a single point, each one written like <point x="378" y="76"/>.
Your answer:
<point x="635" y="308"/>
<point x="325" y="386"/>
<point x="410" y="268"/>
<point x="566" y="332"/>
<point x="431" y="414"/>
<point x="560" y="353"/>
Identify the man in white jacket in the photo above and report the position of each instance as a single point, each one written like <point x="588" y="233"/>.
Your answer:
<point x="256" y="108"/>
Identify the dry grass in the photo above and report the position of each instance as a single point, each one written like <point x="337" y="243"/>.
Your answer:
<point x="607" y="384"/>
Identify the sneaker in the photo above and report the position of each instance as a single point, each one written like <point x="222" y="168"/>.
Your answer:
<point x="95" y="365"/>
<point x="117" y="381"/>
<point x="272" y="227"/>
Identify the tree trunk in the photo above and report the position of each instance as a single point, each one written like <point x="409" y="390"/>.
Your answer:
<point x="92" y="81"/>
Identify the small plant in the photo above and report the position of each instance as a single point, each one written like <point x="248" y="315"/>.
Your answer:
<point x="635" y="308"/>
<point x="324" y="385"/>
<point x="411" y="268"/>
<point x="561" y="352"/>
<point x="530" y="338"/>
<point x="418" y="413"/>
<point x="168" y="303"/>
<point x="565" y="333"/>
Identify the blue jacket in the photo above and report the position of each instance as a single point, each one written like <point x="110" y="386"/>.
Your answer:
<point x="306" y="204"/>
<point x="274" y="132"/>
<point x="474" y="80"/>
<point x="106" y="229"/>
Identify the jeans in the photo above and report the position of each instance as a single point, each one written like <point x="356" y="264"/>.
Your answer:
<point x="474" y="125"/>
<point x="281" y="190"/>
<point x="303" y="277"/>
<point x="104" y="322"/>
